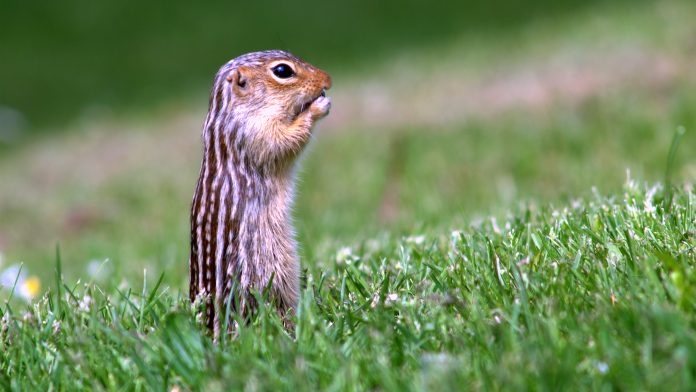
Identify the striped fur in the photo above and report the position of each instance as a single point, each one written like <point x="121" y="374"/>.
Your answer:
<point x="241" y="234"/>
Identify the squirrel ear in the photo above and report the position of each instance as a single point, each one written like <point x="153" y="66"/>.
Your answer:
<point x="238" y="80"/>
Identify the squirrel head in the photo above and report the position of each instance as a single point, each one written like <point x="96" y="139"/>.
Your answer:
<point x="268" y="102"/>
<point x="275" y="85"/>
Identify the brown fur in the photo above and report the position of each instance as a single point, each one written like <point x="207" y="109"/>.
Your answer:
<point x="241" y="233"/>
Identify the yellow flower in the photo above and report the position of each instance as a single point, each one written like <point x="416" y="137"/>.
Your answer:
<point x="30" y="287"/>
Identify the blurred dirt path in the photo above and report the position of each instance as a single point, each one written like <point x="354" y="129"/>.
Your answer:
<point x="450" y="96"/>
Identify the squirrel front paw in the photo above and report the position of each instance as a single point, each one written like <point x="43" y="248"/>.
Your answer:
<point x="320" y="107"/>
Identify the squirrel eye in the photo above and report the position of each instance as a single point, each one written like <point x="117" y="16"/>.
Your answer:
<point x="283" y="71"/>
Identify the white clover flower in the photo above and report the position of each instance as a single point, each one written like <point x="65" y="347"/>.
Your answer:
<point x="28" y="317"/>
<point x="4" y="323"/>
<point x="56" y="327"/>
<point x="85" y="304"/>
<point x="650" y="208"/>
<point x="375" y="301"/>
<point x="10" y="275"/>
<point x="417" y="240"/>
<point x="602" y="367"/>
<point x="632" y="210"/>
<point x="387" y="301"/>
<point x="126" y="363"/>
<point x="344" y="255"/>
<point x="494" y="224"/>
<point x="633" y="235"/>
<point x="648" y="202"/>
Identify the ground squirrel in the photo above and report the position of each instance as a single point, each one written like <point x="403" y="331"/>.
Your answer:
<point x="262" y="108"/>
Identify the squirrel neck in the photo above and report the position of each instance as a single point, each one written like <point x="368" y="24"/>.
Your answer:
<point x="240" y="219"/>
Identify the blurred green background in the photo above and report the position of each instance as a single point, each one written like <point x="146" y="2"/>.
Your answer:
<point x="443" y="115"/>
<point x="62" y="58"/>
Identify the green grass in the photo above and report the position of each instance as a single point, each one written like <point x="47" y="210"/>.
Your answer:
<point x="445" y="178"/>
<point x="120" y="188"/>
<point x="487" y="252"/>
<point x="599" y="294"/>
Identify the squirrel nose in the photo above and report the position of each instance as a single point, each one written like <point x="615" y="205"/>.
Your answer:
<point x="326" y="83"/>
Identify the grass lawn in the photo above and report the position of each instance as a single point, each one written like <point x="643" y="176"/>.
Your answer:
<point x="510" y="216"/>
<point x="599" y="294"/>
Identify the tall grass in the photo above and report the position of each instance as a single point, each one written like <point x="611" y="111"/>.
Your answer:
<point x="599" y="294"/>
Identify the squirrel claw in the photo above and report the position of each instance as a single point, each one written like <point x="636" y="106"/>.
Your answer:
<point x="320" y="107"/>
